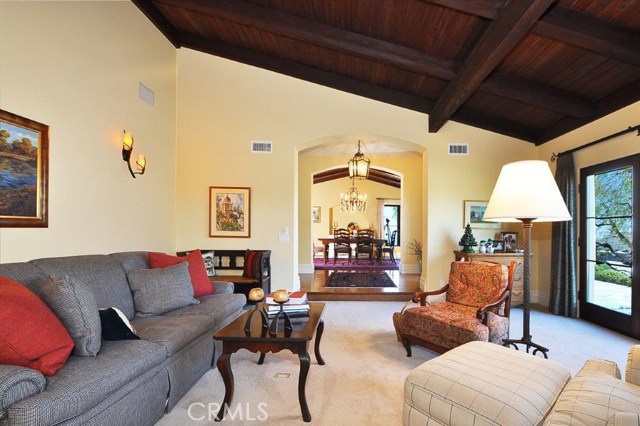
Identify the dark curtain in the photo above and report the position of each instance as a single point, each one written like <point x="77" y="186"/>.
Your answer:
<point x="564" y="246"/>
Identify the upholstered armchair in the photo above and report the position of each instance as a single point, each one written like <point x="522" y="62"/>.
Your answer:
<point x="476" y="308"/>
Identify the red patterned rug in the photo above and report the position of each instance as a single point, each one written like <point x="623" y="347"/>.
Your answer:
<point x="359" y="279"/>
<point x="362" y="265"/>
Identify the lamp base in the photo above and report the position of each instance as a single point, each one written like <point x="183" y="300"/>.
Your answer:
<point x="526" y="340"/>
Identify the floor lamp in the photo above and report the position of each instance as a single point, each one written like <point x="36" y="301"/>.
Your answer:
<point x="526" y="192"/>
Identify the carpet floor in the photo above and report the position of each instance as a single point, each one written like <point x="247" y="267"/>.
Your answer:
<point x="385" y="265"/>
<point x="363" y="379"/>
<point x="359" y="279"/>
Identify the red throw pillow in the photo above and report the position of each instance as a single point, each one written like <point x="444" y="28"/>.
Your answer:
<point x="31" y="335"/>
<point x="197" y="271"/>
<point x="252" y="261"/>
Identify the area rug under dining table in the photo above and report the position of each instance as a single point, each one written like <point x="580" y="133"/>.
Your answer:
<point x="359" y="279"/>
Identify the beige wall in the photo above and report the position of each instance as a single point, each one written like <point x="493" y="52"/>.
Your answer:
<point x="75" y="67"/>
<point x="619" y="147"/>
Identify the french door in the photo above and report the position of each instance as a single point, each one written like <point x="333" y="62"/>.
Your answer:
<point x="609" y="238"/>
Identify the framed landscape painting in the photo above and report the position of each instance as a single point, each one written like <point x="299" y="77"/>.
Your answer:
<point x="229" y="212"/>
<point x="473" y="213"/>
<point x="315" y="214"/>
<point x="24" y="172"/>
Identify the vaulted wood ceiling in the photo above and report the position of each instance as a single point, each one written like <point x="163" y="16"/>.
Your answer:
<point x="531" y="69"/>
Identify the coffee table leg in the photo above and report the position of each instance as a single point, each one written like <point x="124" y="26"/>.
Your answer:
<point x="224" y="367"/>
<point x="261" y="359"/>
<point x="302" y="381"/>
<point x="317" y="344"/>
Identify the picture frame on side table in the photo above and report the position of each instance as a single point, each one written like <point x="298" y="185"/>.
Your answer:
<point x="229" y="212"/>
<point x="316" y="214"/>
<point x="510" y="240"/>
<point x="24" y="167"/>
<point x="473" y="213"/>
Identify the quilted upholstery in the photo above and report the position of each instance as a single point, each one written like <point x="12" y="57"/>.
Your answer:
<point x="446" y="325"/>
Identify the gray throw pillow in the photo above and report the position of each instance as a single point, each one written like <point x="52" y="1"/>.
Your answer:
<point x="76" y="306"/>
<point x="160" y="290"/>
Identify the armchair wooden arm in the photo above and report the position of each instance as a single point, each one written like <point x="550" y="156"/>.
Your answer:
<point x="421" y="296"/>
<point x="481" y="312"/>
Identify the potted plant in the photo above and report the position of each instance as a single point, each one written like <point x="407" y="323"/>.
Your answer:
<point x="415" y="248"/>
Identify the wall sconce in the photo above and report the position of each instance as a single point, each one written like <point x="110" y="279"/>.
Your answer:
<point x="127" y="148"/>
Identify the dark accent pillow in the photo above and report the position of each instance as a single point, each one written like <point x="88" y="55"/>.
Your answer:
<point x="160" y="290"/>
<point x="31" y="335"/>
<point x="76" y="306"/>
<point x="252" y="259"/>
<point x="202" y="286"/>
<point x="116" y="326"/>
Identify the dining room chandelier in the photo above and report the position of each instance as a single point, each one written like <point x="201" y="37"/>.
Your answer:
<point x="352" y="200"/>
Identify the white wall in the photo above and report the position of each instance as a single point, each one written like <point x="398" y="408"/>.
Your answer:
<point x="75" y="66"/>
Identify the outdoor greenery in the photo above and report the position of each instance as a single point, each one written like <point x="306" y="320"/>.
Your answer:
<point x="607" y="274"/>
<point x="614" y="225"/>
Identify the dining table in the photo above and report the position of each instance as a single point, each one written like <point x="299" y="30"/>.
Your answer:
<point x="326" y="241"/>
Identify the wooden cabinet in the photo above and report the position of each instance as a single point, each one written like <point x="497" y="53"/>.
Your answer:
<point x="504" y="259"/>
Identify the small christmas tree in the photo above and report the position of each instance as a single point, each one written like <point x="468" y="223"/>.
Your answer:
<point x="468" y="241"/>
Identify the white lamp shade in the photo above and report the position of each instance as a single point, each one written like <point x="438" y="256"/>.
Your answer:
<point x="526" y="190"/>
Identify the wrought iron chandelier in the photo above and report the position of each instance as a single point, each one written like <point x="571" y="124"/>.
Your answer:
<point x="352" y="200"/>
<point x="359" y="165"/>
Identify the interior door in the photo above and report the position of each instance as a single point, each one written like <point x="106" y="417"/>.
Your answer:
<point x="609" y="284"/>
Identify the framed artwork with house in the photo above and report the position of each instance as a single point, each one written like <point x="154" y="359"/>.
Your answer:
<point x="24" y="172"/>
<point x="229" y="212"/>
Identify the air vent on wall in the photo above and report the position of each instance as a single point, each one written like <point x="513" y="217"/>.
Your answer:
<point x="458" y="149"/>
<point x="262" y="147"/>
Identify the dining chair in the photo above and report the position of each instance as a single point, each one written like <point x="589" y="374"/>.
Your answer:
<point x="364" y="244"/>
<point x="341" y="244"/>
<point x="390" y="247"/>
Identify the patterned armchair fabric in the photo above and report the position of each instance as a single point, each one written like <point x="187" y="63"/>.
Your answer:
<point x="476" y="309"/>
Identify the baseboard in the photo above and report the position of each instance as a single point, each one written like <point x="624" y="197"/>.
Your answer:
<point x="409" y="269"/>
<point x="540" y="298"/>
<point x="306" y="268"/>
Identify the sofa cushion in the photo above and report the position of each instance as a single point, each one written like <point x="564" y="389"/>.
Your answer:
<point x="197" y="271"/>
<point x="156" y="291"/>
<point x="31" y="335"/>
<point x="594" y="396"/>
<point x="102" y="273"/>
<point x="86" y="381"/>
<point x="74" y="303"/>
<point x="116" y="326"/>
<point x="221" y="307"/>
<point x="173" y="332"/>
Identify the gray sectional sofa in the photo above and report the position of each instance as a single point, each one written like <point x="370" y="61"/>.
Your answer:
<point x="129" y="382"/>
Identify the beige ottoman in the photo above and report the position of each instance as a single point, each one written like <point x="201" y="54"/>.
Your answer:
<point x="481" y="383"/>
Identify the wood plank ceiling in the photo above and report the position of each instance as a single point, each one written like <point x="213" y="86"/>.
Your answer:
<point x="530" y="69"/>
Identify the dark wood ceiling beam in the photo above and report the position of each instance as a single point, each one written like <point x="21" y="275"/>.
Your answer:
<point x="512" y="23"/>
<point x="567" y="26"/>
<point x="621" y="98"/>
<point x="159" y="20"/>
<point x="592" y="34"/>
<point x="310" y="31"/>
<point x="307" y="73"/>
<point x="375" y="175"/>
<point x="380" y="51"/>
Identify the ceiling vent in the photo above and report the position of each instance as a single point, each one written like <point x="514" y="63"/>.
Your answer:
<point x="458" y="149"/>
<point x="262" y="147"/>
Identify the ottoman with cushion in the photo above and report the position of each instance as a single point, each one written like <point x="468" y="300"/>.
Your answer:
<point x="481" y="383"/>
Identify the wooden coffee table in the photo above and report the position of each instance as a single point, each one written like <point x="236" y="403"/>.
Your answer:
<point x="234" y="337"/>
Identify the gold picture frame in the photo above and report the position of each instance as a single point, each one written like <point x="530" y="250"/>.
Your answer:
<point x="229" y="212"/>
<point x="316" y="214"/>
<point x="24" y="172"/>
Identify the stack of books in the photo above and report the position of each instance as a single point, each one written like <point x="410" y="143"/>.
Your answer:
<point x="297" y="306"/>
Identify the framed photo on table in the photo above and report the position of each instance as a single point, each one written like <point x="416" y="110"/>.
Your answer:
<point x="510" y="240"/>
<point x="473" y="213"/>
<point x="24" y="172"/>
<point x="229" y="212"/>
